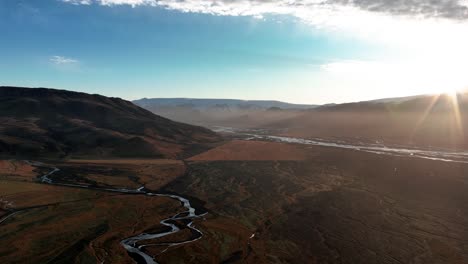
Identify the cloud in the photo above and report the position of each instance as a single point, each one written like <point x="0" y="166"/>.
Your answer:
<point x="303" y="9"/>
<point x="112" y="2"/>
<point x="60" y="60"/>
<point x="409" y="29"/>
<point x="452" y="9"/>
<point x="427" y="74"/>
<point x="415" y="23"/>
<point x="408" y="23"/>
<point x="78" y="2"/>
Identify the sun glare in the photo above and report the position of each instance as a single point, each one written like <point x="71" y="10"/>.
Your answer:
<point x="452" y="92"/>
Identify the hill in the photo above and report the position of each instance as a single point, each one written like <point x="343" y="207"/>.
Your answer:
<point x="420" y="103"/>
<point x="58" y="123"/>
<point x="437" y="121"/>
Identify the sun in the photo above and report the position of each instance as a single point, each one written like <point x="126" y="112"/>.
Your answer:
<point x="453" y="96"/>
<point x="449" y="91"/>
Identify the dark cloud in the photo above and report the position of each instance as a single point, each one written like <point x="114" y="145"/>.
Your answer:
<point x="451" y="9"/>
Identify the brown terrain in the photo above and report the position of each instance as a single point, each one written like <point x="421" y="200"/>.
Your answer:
<point x="78" y="227"/>
<point x="266" y="202"/>
<point x="327" y="206"/>
<point x="130" y="173"/>
<point x="338" y="206"/>
<point x="252" y="150"/>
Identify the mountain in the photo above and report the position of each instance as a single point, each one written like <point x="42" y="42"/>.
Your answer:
<point x="429" y="121"/>
<point x="397" y="99"/>
<point x="58" y="123"/>
<point x="420" y="103"/>
<point x="223" y="104"/>
<point x="221" y="112"/>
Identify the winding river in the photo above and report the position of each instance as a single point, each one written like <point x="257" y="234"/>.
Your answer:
<point x="134" y="245"/>
<point x="131" y="243"/>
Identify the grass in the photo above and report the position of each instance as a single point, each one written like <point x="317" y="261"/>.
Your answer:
<point x="68" y="219"/>
<point x="332" y="207"/>
<point x="60" y="234"/>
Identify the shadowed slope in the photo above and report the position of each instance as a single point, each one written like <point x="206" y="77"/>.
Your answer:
<point x="38" y="122"/>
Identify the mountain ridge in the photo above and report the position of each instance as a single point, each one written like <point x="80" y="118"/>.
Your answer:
<point x="51" y="122"/>
<point x="201" y="103"/>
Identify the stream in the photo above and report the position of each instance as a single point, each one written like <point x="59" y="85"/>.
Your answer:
<point x="136" y="248"/>
<point x="134" y="245"/>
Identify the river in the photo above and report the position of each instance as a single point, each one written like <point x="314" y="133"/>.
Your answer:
<point x="134" y="245"/>
<point x="393" y="150"/>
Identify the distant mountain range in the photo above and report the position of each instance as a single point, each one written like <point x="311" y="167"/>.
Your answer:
<point x="424" y="120"/>
<point x="253" y="113"/>
<point x="250" y="105"/>
<point x="211" y="112"/>
<point x="220" y="104"/>
<point x="57" y="123"/>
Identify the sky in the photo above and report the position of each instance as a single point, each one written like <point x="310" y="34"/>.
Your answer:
<point x="299" y="51"/>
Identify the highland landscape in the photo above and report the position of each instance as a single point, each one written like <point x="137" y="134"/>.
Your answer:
<point x="257" y="198"/>
<point x="233" y="132"/>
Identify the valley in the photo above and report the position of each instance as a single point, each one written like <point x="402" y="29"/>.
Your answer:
<point x="260" y="210"/>
<point x="226" y="195"/>
<point x="233" y="132"/>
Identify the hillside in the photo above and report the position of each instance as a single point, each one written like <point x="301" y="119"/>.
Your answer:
<point x="57" y="123"/>
<point x="424" y="121"/>
<point x="438" y="103"/>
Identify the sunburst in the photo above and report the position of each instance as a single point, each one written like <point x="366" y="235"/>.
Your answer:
<point x="453" y="98"/>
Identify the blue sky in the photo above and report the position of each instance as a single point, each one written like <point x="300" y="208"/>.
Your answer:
<point x="146" y="48"/>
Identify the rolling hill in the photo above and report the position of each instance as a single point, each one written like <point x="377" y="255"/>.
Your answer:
<point x="429" y="121"/>
<point x="58" y="123"/>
